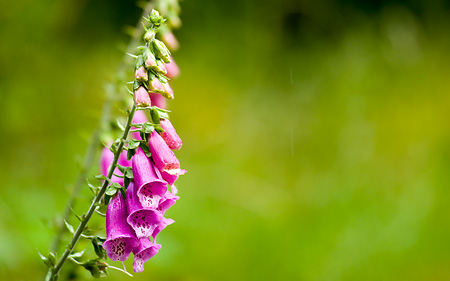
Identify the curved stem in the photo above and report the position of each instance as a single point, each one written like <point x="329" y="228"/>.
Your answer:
<point x="54" y="272"/>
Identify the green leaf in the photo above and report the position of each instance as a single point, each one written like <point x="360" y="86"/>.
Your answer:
<point x="69" y="227"/>
<point x="46" y="260"/>
<point x="120" y="126"/>
<point x="97" y="242"/>
<point x="133" y="144"/>
<point x="77" y="255"/>
<point x="159" y="129"/>
<point x="111" y="190"/>
<point x="147" y="127"/>
<point x="100" y="177"/>
<point x="130" y="153"/>
<point x="155" y="115"/>
<point x="92" y="188"/>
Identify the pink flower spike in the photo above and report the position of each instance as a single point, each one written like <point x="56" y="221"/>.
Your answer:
<point x="172" y="69"/>
<point x="120" y="238"/>
<point x="169" y="135"/>
<point x="145" y="251"/>
<point x="142" y="220"/>
<point x="158" y="100"/>
<point x="141" y="97"/>
<point x="150" y="188"/>
<point x="163" y="157"/>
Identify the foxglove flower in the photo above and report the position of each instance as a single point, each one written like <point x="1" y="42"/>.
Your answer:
<point x="169" y="135"/>
<point x="165" y="222"/>
<point x="171" y="41"/>
<point x="158" y="100"/>
<point x="150" y="188"/>
<point x="141" y="97"/>
<point x="120" y="238"/>
<point x="155" y="85"/>
<point x="162" y="155"/>
<point x="143" y="253"/>
<point x="142" y="220"/>
<point x="167" y="91"/>
<point x="172" y="69"/>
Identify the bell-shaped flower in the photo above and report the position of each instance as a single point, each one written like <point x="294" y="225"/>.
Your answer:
<point x="170" y="135"/>
<point x="142" y="220"/>
<point x="150" y="188"/>
<point x="145" y="251"/>
<point x="120" y="237"/>
<point x="141" y="74"/>
<point x="162" y="155"/>
<point x="165" y="222"/>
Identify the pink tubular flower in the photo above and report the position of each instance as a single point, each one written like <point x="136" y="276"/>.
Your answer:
<point x="142" y="220"/>
<point x="167" y="201"/>
<point x="158" y="100"/>
<point x="120" y="238"/>
<point x="172" y="69"/>
<point x="155" y="85"/>
<point x="167" y="91"/>
<point x="170" y="135"/>
<point x="164" y="158"/>
<point x="141" y="97"/>
<point x="145" y="251"/>
<point x="150" y="188"/>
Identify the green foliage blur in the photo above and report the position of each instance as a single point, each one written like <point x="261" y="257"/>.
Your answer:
<point x="316" y="136"/>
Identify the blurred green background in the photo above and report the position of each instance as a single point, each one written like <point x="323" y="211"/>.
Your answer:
<point x="316" y="136"/>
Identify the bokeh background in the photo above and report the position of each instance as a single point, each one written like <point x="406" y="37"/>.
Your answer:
<point x="316" y="136"/>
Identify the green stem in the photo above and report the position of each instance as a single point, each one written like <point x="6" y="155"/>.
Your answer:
<point x="54" y="272"/>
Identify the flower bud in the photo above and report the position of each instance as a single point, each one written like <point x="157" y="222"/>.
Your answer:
<point x="120" y="238"/>
<point x="171" y="41"/>
<point x="155" y="85"/>
<point x="172" y="69"/>
<point x="160" y="67"/>
<point x="161" y="51"/>
<point x="155" y="17"/>
<point x="141" y="97"/>
<point x="149" y="35"/>
<point x="167" y="92"/>
<point x="149" y="59"/>
<point x="170" y="135"/>
<point x="141" y="74"/>
<point x="158" y="100"/>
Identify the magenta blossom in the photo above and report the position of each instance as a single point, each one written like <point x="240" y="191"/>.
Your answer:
<point x="155" y="85"/>
<point x="169" y="135"/>
<point x="141" y="74"/>
<point x="142" y="220"/>
<point x="145" y="251"/>
<point x="150" y="188"/>
<point x="167" y="201"/>
<point x="120" y="238"/>
<point x="162" y="155"/>
<point x="141" y="97"/>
